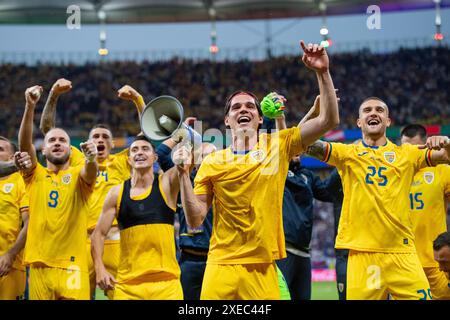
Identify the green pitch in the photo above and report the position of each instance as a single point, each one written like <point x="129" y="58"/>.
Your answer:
<point x="324" y="291"/>
<point x="320" y="291"/>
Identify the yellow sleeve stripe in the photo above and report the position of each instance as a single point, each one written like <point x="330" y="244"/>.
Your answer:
<point x="328" y="152"/>
<point x="119" y="198"/>
<point x="163" y="194"/>
<point x="428" y="158"/>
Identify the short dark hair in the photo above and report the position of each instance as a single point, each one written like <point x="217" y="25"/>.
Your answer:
<point x="101" y="126"/>
<point x="441" y="241"/>
<point x="142" y="137"/>
<point x="228" y="103"/>
<point x="412" y="130"/>
<point x="13" y="146"/>
<point x="374" y="98"/>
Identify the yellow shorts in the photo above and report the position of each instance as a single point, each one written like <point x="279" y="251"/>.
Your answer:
<point x="374" y="275"/>
<point x="12" y="286"/>
<point x="111" y="257"/>
<point x="46" y="283"/>
<point x="257" y="281"/>
<point x="439" y="283"/>
<point x="149" y="288"/>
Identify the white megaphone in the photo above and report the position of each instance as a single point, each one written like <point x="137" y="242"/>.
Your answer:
<point x="162" y="118"/>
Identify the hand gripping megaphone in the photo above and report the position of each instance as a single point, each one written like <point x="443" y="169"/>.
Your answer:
<point x="162" y="118"/>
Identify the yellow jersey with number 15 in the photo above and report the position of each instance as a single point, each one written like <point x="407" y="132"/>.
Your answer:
<point x="375" y="214"/>
<point x="57" y="226"/>
<point x="429" y="190"/>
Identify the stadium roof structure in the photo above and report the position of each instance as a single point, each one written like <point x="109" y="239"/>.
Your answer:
<point x="158" y="11"/>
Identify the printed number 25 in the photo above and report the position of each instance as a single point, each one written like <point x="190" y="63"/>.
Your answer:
<point x="373" y="172"/>
<point x="54" y="195"/>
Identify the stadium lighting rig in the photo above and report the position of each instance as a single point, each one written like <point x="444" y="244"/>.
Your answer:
<point x="438" y="36"/>
<point x="213" y="48"/>
<point x="103" y="51"/>
<point x="326" y="41"/>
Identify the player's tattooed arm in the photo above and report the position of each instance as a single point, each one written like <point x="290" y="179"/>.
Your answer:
<point x="48" y="117"/>
<point x="317" y="150"/>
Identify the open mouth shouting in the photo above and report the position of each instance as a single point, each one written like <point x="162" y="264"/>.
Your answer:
<point x="373" y="122"/>
<point x="244" y="119"/>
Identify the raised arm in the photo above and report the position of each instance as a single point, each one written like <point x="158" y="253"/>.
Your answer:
<point x="32" y="96"/>
<point x="104" y="279"/>
<point x="195" y="206"/>
<point x="48" y="117"/>
<point x="315" y="57"/>
<point x="7" y="260"/>
<point x="89" y="172"/>
<point x="441" y="147"/>
<point x="129" y="93"/>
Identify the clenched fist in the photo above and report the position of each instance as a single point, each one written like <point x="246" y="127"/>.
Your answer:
<point x="89" y="150"/>
<point x="182" y="158"/>
<point x="437" y="143"/>
<point x="128" y="93"/>
<point x="22" y="160"/>
<point x="61" y="86"/>
<point x="32" y="95"/>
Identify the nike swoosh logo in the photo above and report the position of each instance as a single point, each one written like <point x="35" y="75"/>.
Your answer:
<point x="361" y="154"/>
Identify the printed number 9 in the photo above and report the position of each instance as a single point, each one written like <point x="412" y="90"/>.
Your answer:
<point x="54" y="197"/>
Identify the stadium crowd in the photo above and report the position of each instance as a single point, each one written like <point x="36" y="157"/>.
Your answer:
<point x="417" y="91"/>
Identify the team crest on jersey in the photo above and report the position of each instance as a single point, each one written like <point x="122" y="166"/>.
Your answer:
<point x="428" y="177"/>
<point x="258" y="155"/>
<point x="66" y="178"/>
<point x="389" y="156"/>
<point x="290" y="174"/>
<point x="8" y="187"/>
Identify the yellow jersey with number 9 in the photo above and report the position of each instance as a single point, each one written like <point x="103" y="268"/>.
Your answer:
<point x="429" y="190"/>
<point x="375" y="214"/>
<point x="57" y="226"/>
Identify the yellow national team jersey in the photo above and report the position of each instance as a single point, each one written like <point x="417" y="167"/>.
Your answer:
<point x="429" y="210"/>
<point x="76" y="157"/>
<point x="57" y="226"/>
<point x="12" y="198"/>
<point x="375" y="214"/>
<point x="248" y="198"/>
<point x="111" y="172"/>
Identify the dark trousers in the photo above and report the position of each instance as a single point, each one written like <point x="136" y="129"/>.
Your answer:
<point x="341" y="273"/>
<point x="192" y="271"/>
<point x="297" y="272"/>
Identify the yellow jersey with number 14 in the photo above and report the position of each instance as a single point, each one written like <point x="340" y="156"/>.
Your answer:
<point x="375" y="214"/>
<point x="113" y="171"/>
<point x="429" y="190"/>
<point x="57" y="226"/>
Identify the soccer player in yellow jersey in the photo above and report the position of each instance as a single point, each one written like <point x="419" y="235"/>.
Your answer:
<point x="429" y="191"/>
<point x="113" y="169"/>
<point x="244" y="183"/>
<point x="13" y="228"/>
<point x="145" y="207"/>
<point x="375" y="221"/>
<point x="441" y="248"/>
<point x="55" y="248"/>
